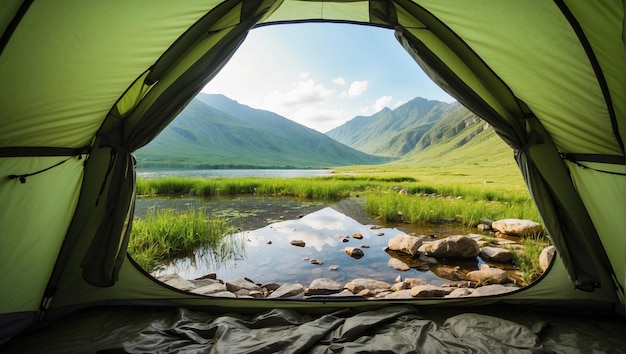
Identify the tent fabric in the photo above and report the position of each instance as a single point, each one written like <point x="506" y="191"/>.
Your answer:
<point x="391" y="329"/>
<point x="84" y="84"/>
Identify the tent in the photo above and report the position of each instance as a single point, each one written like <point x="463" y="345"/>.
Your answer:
<point x="83" y="84"/>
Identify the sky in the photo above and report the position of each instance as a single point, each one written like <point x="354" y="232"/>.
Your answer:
<point x="322" y="75"/>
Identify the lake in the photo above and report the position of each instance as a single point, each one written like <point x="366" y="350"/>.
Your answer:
<point x="155" y="173"/>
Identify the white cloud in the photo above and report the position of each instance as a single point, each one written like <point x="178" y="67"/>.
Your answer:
<point x="304" y="75"/>
<point x="382" y="103"/>
<point x="357" y="88"/>
<point x="304" y="91"/>
<point x="339" y="80"/>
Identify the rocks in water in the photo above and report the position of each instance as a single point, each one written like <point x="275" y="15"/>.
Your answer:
<point x="397" y="264"/>
<point x="354" y="252"/>
<point x="496" y="254"/>
<point x="405" y="244"/>
<point x="323" y="286"/>
<point x="333" y="267"/>
<point x="448" y="272"/>
<point x="316" y="261"/>
<point x="488" y="275"/>
<point x="287" y="290"/>
<point x="453" y="247"/>
<point x="359" y="284"/>
<point x="517" y="227"/>
<point x="357" y="236"/>
<point x="545" y="257"/>
<point x="298" y="243"/>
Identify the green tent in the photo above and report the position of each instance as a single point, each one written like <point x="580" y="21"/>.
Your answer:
<point x="83" y="84"/>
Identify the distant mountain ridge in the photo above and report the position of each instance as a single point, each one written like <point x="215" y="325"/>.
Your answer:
<point x="214" y="131"/>
<point x="396" y="132"/>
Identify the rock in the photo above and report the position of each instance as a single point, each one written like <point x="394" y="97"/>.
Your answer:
<point x="453" y="247"/>
<point x="212" y="276"/>
<point x="399" y="286"/>
<point x="271" y="286"/>
<point x="545" y="258"/>
<point x="323" y="286"/>
<point x="429" y="291"/>
<point x="398" y="279"/>
<point x="397" y="264"/>
<point x="380" y="234"/>
<point x="333" y="267"/>
<point x="405" y="244"/>
<point x="240" y="283"/>
<point x="357" y="236"/>
<point x="461" y="292"/>
<point x="345" y="240"/>
<point x="375" y="227"/>
<point x="365" y="246"/>
<point x="354" y="252"/>
<point x="400" y="294"/>
<point x="496" y="254"/>
<point x="210" y="289"/>
<point x="483" y="227"/>
<point x="287" y="290"/>
<point x="316" y="261"/>
<point x="492" y="290"/>
<point x="269" y="242"/>
<point x="298" y="243"/>
<point x="517" y="227"/>
<point x="359" y="284"/>
<point x="415" y="282"/>
<point x="174" y="280"/>
<point x="488" y="275"/>
<point x="448" y="272"/>
<point x="224" y="294"/>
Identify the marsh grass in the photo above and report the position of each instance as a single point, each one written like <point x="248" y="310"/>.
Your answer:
<point x="527" y="260"/>
<point x="168" y="234"/>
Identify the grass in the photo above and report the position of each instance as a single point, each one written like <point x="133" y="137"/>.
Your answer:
<point x="168" y="234"/>
<point x="527" y="260"/>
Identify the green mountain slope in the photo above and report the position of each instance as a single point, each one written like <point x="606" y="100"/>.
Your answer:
<point x="242" y="137"/>
<point x="393" y="132"/>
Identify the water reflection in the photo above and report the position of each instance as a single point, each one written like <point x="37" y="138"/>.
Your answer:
<point x="269" y="256"/>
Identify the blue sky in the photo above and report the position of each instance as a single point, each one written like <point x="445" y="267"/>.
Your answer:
<point x="322" y="75"/>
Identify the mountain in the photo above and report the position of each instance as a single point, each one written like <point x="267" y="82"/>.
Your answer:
<point x="395" y="132"/>
<point x="214" y="131"/>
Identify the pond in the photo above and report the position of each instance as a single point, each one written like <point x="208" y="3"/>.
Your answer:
<point x="268" y="225"/>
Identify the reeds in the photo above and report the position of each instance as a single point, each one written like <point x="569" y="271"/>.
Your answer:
<point x="168" y="234"/>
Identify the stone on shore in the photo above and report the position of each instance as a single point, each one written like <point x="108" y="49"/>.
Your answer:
<point x="400" y="294"/>
<point x="405" y="244"/>
<point x="175" y="280"/>
<point x="287" y="290"/>
<point x="359" y="284"/>
<point x="545" y="257"/>
<point x="323" y="286"/>
<point x="488" y="275"/>
<point x="517" y="227"/>
<point x="494" y="289"/>
<point x="460" y="292"/>
<point x="210" y="289"/>
<point x="458" y="246"/>
<point x="496" y="254"/>
<point x="240" y="283"/>
<point x="429" y="291"/>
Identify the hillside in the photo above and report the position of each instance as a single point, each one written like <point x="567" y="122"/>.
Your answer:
<point x="216" y="132"/>
<point x="395" y="132"/>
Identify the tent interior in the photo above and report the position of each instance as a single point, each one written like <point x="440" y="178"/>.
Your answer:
<point x="85" y="84"/>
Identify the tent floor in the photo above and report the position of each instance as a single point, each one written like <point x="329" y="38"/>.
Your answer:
<point x="389" y="329"/>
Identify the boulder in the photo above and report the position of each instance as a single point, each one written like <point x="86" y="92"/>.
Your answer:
<point x="210" y="289"/>
<point x="174" y="280"/>
<point x="489" y="275"/>
<point x="400" y="286"/>
<point x="517" y="227"/>
<point x="298" y="243"/>
<point x="453" y="247"/>
<point x="240" y="283"/>
<point x="400" y="294"/>
<point x="287" y="290"/>
<point x="397" y="264"/>
<point x="359" y="284"/>
<point x="323" y="286"/>
<point x="357" y="236"/>
<point x="448" y="272"/>
<point x="460" y="292"/>
<point x="354" y="252"/>
<point x="545" y="257"/>
<point x="415" y="282"/>
<point x="429" y="291"/>
<point x="494" y="289"/>
<point x="496" y="254"/>
<point x="405" y="244"/>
